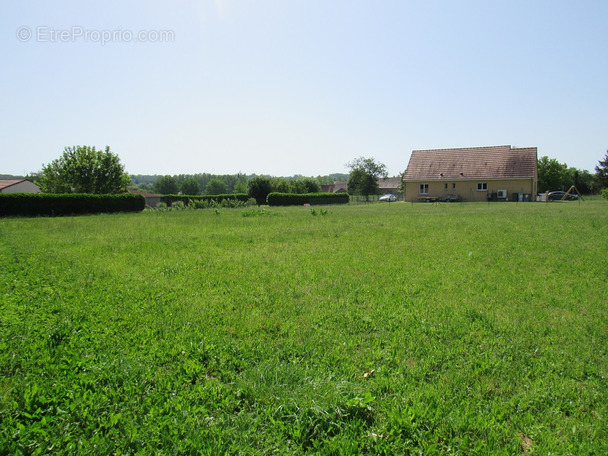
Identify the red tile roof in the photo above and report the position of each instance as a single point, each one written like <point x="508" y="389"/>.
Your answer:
<point x="9" y="182"/>
<point x="389" y="182"/>
<point x="494" y="162"/>
<point x="145" y="194"/>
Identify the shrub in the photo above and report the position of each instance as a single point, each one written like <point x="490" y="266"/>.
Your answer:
<point x="321" y="211"/>
<point x="294" y="199"/>
<point x="33" y="204"/>
<point x="256" y="213"/>
<point x="178" y="206"/>
<point x="180" y="202"/>
<point x="233" y="203"/>
<point x="203" y="201"/>
<point x="605" y="193"/>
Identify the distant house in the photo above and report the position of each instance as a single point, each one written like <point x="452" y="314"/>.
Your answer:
<point x="389" y="185"/>
<point x="502" y="173"/>
<point x="18" y="186"/>
<point x="336" y="187"/>
<point x="152" y="200"/>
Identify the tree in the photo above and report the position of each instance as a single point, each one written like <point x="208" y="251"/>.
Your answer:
<point x="281" y="185"/>
<point x="259" y="187"/>
<point x="601" y="172"/>
<point x="166" y="185"/>
<point x="361" y="183"/>
<point x="364" y="175"/>
<point x="190" y="186"/>
<point x="306" y="185"/>
<point x="583" y="180"/>
<point x="216" y="186"/>
<point x="551" y="174"/>
<point x="83" y="169"/>
<point x="240" y="186"/>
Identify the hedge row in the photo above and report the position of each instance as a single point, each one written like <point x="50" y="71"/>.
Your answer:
<point x="170" y="199"/>
<point x="33" y="204"/>
<point x="299" y="199"/>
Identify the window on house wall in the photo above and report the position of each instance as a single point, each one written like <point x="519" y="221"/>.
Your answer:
<point x="423" y="189"/>
<point x="482" y="186"/>
<point x="445" y="186"/>
<point x="453" y="186"/>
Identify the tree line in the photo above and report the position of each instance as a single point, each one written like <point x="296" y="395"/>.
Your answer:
<point x="553" y="175"/>
<point x="213" y="184"/>
<point x="84" y="169"/>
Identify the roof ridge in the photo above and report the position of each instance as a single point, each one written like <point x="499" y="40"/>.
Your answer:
<point x="470" y="148"/>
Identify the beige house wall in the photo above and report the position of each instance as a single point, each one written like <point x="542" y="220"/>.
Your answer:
<point x="467" y="189"/>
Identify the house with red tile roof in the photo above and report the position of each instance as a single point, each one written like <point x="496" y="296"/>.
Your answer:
<point x="18" y="186"/>
<point x="501" y="173"/>
<point x="385" y="185"/>
<point x="152" y="199"/>
<point x="336" y="187"/>
<point x="389" y="185"/>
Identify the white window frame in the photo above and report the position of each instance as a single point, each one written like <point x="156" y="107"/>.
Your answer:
<point x="482" y="186"/>
<point x="423" y="189"/>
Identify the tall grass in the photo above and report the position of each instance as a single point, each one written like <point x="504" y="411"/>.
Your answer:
<point x="374" y="329"/>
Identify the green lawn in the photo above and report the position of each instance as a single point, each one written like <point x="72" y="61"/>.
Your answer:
<point x="467" y="329"/>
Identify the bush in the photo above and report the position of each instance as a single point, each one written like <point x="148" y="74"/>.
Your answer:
<point x="178" y="206"/>
<point x="34" y="204"/>
<point x="256" y="213"/>
<point x="294" y="199"/>
<point x="605" y="193"/>
<point x="203" y="201"/>
<point x="180" y="202"/>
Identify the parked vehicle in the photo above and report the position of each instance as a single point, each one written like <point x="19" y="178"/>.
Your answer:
<point x="558" y="195"/>
<point x="389" y="197"/>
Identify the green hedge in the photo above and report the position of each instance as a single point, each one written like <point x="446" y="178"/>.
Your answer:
<point x="170" y="199"/>
<point x="299" y="199"/>
<point x="33" y="204"/>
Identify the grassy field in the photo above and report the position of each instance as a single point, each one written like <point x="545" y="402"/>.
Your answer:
<point x="461" y="329"/>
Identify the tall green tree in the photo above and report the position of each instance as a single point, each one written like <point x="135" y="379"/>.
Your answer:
<point x="84" y="169"/>
<point x="216" y="186"/>
<point x="583" y="180"/>
<point x="280" y="184"/>
<point x="190" y="186"/>
<point x="240" y="186"/>
<point x="551" y="174"/>
<point x="364" y="176"/>
<point x="166" y="185"/>
<point x="601" y="172"/>
<point x="306" y="185"/>
<point x="259" y="187"/>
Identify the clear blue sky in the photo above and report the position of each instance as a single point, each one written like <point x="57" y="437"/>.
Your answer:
<point x="300" y="86"/>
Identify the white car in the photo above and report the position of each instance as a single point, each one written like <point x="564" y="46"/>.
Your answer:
<point x="388" y="197"/>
